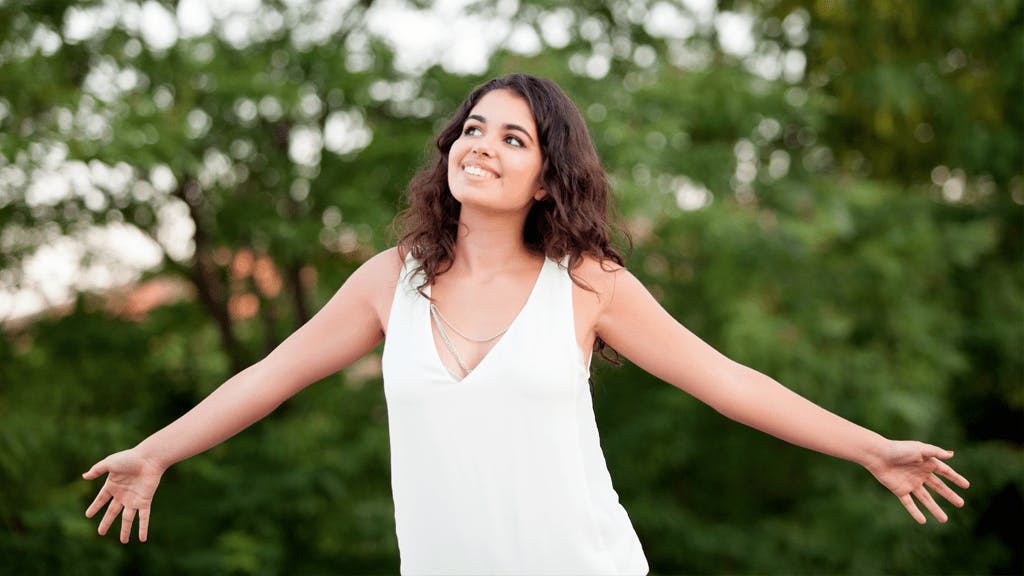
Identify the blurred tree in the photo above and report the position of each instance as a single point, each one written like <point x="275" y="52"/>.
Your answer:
<point x="835" y="203"/>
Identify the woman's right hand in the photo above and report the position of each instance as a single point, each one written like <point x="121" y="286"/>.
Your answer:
<point x="129" y="488"/>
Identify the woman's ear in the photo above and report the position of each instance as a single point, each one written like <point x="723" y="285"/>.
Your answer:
<point x="540" y="194"/>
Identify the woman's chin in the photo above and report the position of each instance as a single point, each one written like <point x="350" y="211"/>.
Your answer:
<point x="471" y="194"/>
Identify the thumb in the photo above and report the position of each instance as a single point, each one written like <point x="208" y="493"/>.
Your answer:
<point x="98" y="469"/>
<point x="936" y="452"/>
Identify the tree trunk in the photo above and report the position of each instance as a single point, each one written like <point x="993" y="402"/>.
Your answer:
<point x="293" y="279"/>
<point x="203" y="274"/>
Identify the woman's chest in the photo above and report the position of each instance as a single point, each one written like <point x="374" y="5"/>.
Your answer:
<point x="481" y="314"/>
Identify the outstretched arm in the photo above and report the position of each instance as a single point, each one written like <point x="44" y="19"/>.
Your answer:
<point x="345" y="329"/>
<point x="633" y="323"/>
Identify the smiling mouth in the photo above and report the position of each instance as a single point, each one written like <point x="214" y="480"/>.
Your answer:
<point x="479" y="172"/>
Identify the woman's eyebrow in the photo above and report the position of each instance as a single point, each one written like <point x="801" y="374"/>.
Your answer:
<point x="517" y="127"/>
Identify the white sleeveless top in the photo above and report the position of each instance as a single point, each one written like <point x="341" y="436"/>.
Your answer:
<point x="501" y="472"/>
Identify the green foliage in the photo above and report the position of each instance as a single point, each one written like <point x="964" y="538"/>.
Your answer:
<point x="853" y="230"/>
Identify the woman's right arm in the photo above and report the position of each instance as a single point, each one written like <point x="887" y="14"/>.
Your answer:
<point x="348" y="326"/>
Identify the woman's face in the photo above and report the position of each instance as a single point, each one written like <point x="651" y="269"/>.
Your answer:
<point x="495" y="164"/>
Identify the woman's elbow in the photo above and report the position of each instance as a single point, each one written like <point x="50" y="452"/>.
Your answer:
<point x="731" y="391"/>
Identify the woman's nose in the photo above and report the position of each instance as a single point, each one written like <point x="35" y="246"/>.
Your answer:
<point x="481" y="148"/>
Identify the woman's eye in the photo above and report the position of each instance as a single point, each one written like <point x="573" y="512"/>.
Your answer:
<point x="477" y="131"/>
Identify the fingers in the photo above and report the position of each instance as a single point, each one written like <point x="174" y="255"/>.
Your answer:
<point x="940" y="488"/>
<point x="127" y="516"/>
<point x="112" y="511"/>
<point x="947" y="471"/>
<point x="143" y="524"/>
<point x="925" y="498"/>
<point x="101" y="499"/>
<point x="911" y="507"/>
<point x="941" y="467"/>
<point x="98" y="469"/>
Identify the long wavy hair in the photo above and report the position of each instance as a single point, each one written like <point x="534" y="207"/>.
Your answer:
<point x="572" y="219"/>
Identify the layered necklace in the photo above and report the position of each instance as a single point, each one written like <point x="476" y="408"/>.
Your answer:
<point x="440" y="321"/>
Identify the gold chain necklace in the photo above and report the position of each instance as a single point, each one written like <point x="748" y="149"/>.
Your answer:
<point x="440" y="321"/>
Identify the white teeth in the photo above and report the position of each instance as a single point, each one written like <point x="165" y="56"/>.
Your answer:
<point x="477" y="171"/>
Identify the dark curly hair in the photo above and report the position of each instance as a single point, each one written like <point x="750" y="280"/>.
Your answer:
<point x="572" y="219"/>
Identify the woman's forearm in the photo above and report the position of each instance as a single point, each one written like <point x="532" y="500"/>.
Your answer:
<point x="232" y="407"/>
<point x="316" y="350"/>
<point x="762" y="403"/>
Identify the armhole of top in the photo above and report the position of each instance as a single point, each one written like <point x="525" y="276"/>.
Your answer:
<point x="402" y="284"/>
<point x="584" y="357"/>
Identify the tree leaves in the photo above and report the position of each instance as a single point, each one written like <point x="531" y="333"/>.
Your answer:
<point x="848" y="230"/>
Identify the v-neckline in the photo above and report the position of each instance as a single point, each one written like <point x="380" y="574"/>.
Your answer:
<point x="511" y="329"/>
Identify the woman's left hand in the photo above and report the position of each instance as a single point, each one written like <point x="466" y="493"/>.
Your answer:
<point x="910" y="469"/>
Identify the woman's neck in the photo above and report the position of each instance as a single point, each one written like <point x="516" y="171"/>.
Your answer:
<point x="489" y="244"/>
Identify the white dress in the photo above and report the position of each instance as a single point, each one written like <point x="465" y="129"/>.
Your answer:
<point x="501" y="472"/>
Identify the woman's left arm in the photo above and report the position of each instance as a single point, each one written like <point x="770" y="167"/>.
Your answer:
<point x="634" y="324"/>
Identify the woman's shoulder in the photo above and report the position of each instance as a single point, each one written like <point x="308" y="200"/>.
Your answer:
<point x="377" y="273"/>
<point x="599" y="274"/>
<point x="383" y="267"/>
<point x="377" y="278"/>
<point x="592" y="265"/>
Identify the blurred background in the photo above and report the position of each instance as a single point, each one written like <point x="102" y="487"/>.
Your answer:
<point x="831" y="192"/>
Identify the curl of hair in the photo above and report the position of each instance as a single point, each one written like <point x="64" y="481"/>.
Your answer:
<point x="572" y="219"/>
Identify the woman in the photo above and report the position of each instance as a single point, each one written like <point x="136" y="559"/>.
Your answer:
<point x="503" y="277"/>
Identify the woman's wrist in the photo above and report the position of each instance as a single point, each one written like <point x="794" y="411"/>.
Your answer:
<point x="150" y="456"/>
<point x="873" y="452"/>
